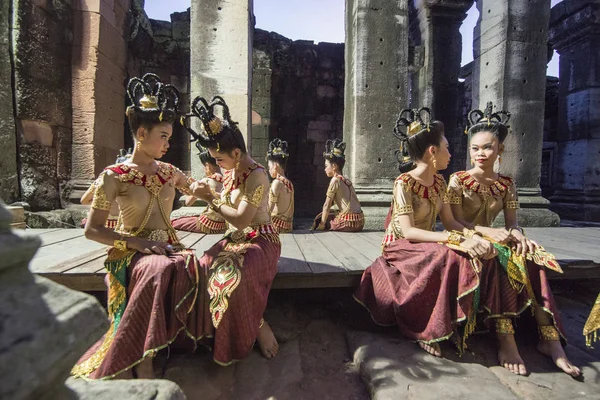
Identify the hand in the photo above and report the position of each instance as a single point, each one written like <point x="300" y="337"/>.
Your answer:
<point x="478" y="248"/>
<point x="501" y="236"/>
<point x="149" y="247"/>
<point x="523" y="246"/>
<point x="201" y="190"/>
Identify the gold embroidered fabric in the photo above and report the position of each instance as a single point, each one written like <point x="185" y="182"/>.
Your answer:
<point x="255" y="198"/>
<point x="592" y="325"/>
<point x="452" y="198"/>
<point x="504" y="325"/>
<point x="334" y="186"/>
<point x="100" y="202"/>
<point x="512" y="205"/>
<point x="343" y="194"/>
<point x="401" y="210"/>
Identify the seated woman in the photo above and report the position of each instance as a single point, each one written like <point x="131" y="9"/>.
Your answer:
<point x="427" y="282"/>
<point x="154" y="294"/>
<point x="349" y="216"/>
<point x="476" y="197"/>
<point x="241" y="267"/>
<point x="86" y="199"/>
<point x="281" y="194"/>
<point x="209" y="221"/>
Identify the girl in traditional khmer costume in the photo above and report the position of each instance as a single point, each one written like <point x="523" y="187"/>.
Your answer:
<point x="241" y="267"/>
<point x="349" y="217"/>
<point x="427" y="282"/>
<point x="476" y="197"/>
<point x="155" y="288"/>
<point x="209" y="221"/>
<point x="281" y="193"/>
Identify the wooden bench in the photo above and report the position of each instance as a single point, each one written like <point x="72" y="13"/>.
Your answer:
<point x="308" y="259"/>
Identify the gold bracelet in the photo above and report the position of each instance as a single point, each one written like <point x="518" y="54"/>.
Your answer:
<point x="517" y="228"/>
<point x="216" y="204"/>
<point x="549" y="332"/>
<point x="454" y="238"/>
<point x="120" y="244"/>
<point x="504" y="325"/>
<point x="472" y="232"/>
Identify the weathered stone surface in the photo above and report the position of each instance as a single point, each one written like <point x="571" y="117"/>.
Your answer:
<point x="510" y="49"/>
<point x="376" y="89"/>
<point x="39" y="185"/>
<point x="9" y="185"/>
<point x="221" y="58"/>
<point x="55" y="219"/>
<point x="395" y="368"/>
<point x="573" y="32"/>
<point x="46" y="327"/>
<point x="125" y="389"/>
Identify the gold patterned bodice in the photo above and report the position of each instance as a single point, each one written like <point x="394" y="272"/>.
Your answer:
<point x="480" y="203"/>
<point x="411" y="197"/>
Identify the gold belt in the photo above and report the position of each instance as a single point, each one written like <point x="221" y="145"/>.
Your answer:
<point x="155" y="235"/>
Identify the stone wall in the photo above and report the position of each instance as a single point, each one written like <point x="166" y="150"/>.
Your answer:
<point x="42" y="35"/>
<point x="163" y="47"/>
<point x="9" y="180"/>
<point x="298" y="96"/>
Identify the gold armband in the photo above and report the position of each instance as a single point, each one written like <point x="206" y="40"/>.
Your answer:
<point x="120" y="244"/>
<point x="454" y="238"/>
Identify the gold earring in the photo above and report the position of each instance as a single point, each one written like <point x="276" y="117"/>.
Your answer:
<point x="435" y="164"/>
<point x="499" y="159"/>
<point x="237" y="164"/>
<point x="472" y="162"/>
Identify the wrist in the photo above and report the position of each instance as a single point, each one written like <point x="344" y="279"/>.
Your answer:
<point x="454" y="238"/>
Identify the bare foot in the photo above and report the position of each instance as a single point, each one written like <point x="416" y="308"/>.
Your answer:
<point x="433" y="349"/>
<point x="267" y="342"/>
<point x="554" y="350"/>
<point x="508" y="354"/>
<point x="145" y="369"/>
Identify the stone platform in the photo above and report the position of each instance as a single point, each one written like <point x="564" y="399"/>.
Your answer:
<point x="308" y="259"/>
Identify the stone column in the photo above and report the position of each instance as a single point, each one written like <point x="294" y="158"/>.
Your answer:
<point x="575" y="34"/>
<point x="509" y="69"/>
<point x="221" y="60"/>
<point x="99" y="67"/>
<point x="9" y="180"/>
<point x="436" y="29"/>
<point x="375" y="91"/>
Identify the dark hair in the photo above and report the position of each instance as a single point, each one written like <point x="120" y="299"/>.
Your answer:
<point x="221" y="134"/>
<point x="278" y="152"/>
<point x="335" y="152"/>
<point x="416" y="133"/>
<point x="205" y="157"/>
<point x="489" y="121"/>
<point x="152" y="102"/>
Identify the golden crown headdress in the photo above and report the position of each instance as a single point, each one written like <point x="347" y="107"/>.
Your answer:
<point x="487" y="116"/>
<point x="409" y="123"/>
<point x="335" y="148"/>
<point x="278" y="148"/>
<point x="213" y="125"/>
<point x="150" y="94"/>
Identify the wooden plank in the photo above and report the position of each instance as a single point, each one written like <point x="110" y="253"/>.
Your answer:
<point x="314" y="281"/>
<point x="374" y="237"/>
<point x="81" y="282"/>
<point x="41" y="231"/>
<point x="191" y="239"/>
<point x="319" y="258"/>
<point x="349" y="257"/>
<point x="292" y="260"/>
<point x="63" y="252"/>
<point x="60" y="236"/>
<point x="361" y="243"/>
<point x="206" y="243"/>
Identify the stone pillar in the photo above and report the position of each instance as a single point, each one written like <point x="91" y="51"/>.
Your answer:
<point x="221" y="60"/>
<point x="9" y="180"/>
<point x="509" y="68"/>
<point x="375" y="91"/>
<point x="575" y="34"/>
<point x="99" y="67"/>
<point x="436" y="29"/>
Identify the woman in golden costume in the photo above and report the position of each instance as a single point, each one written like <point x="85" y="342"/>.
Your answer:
<point x="209" y="221"/>
<point x="427" y="282"/>
<point x="240" y="267"/>
<point x="281" y="194"/>
<point x="349" y="216"/>
<point x="476" y="197"/>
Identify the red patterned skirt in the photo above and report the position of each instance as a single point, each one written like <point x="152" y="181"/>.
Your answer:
<point x="161" y="301"/>
<point x="426" y="289"/>
<point x="241" y="274"/>
<point x="199" y="224"/>
<point x="351" y="222"/>
<point x="282" y="225"/>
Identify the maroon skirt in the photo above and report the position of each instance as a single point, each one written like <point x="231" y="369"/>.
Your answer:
<point x="353" y="222"/>
<point x="164" y="304"/>
<point x="241" y="275"/>
<point x="426" y="289"/>
<point x="198" y="224"/>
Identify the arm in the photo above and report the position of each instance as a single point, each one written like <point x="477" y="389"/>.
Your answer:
<point x="274" y="191"/>
<point x="334" y="186"/>
<point x="511" y="205"/>
<point x="104" y="195"/>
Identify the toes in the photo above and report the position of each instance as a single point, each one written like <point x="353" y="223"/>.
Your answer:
<point x="522" y="370"/>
